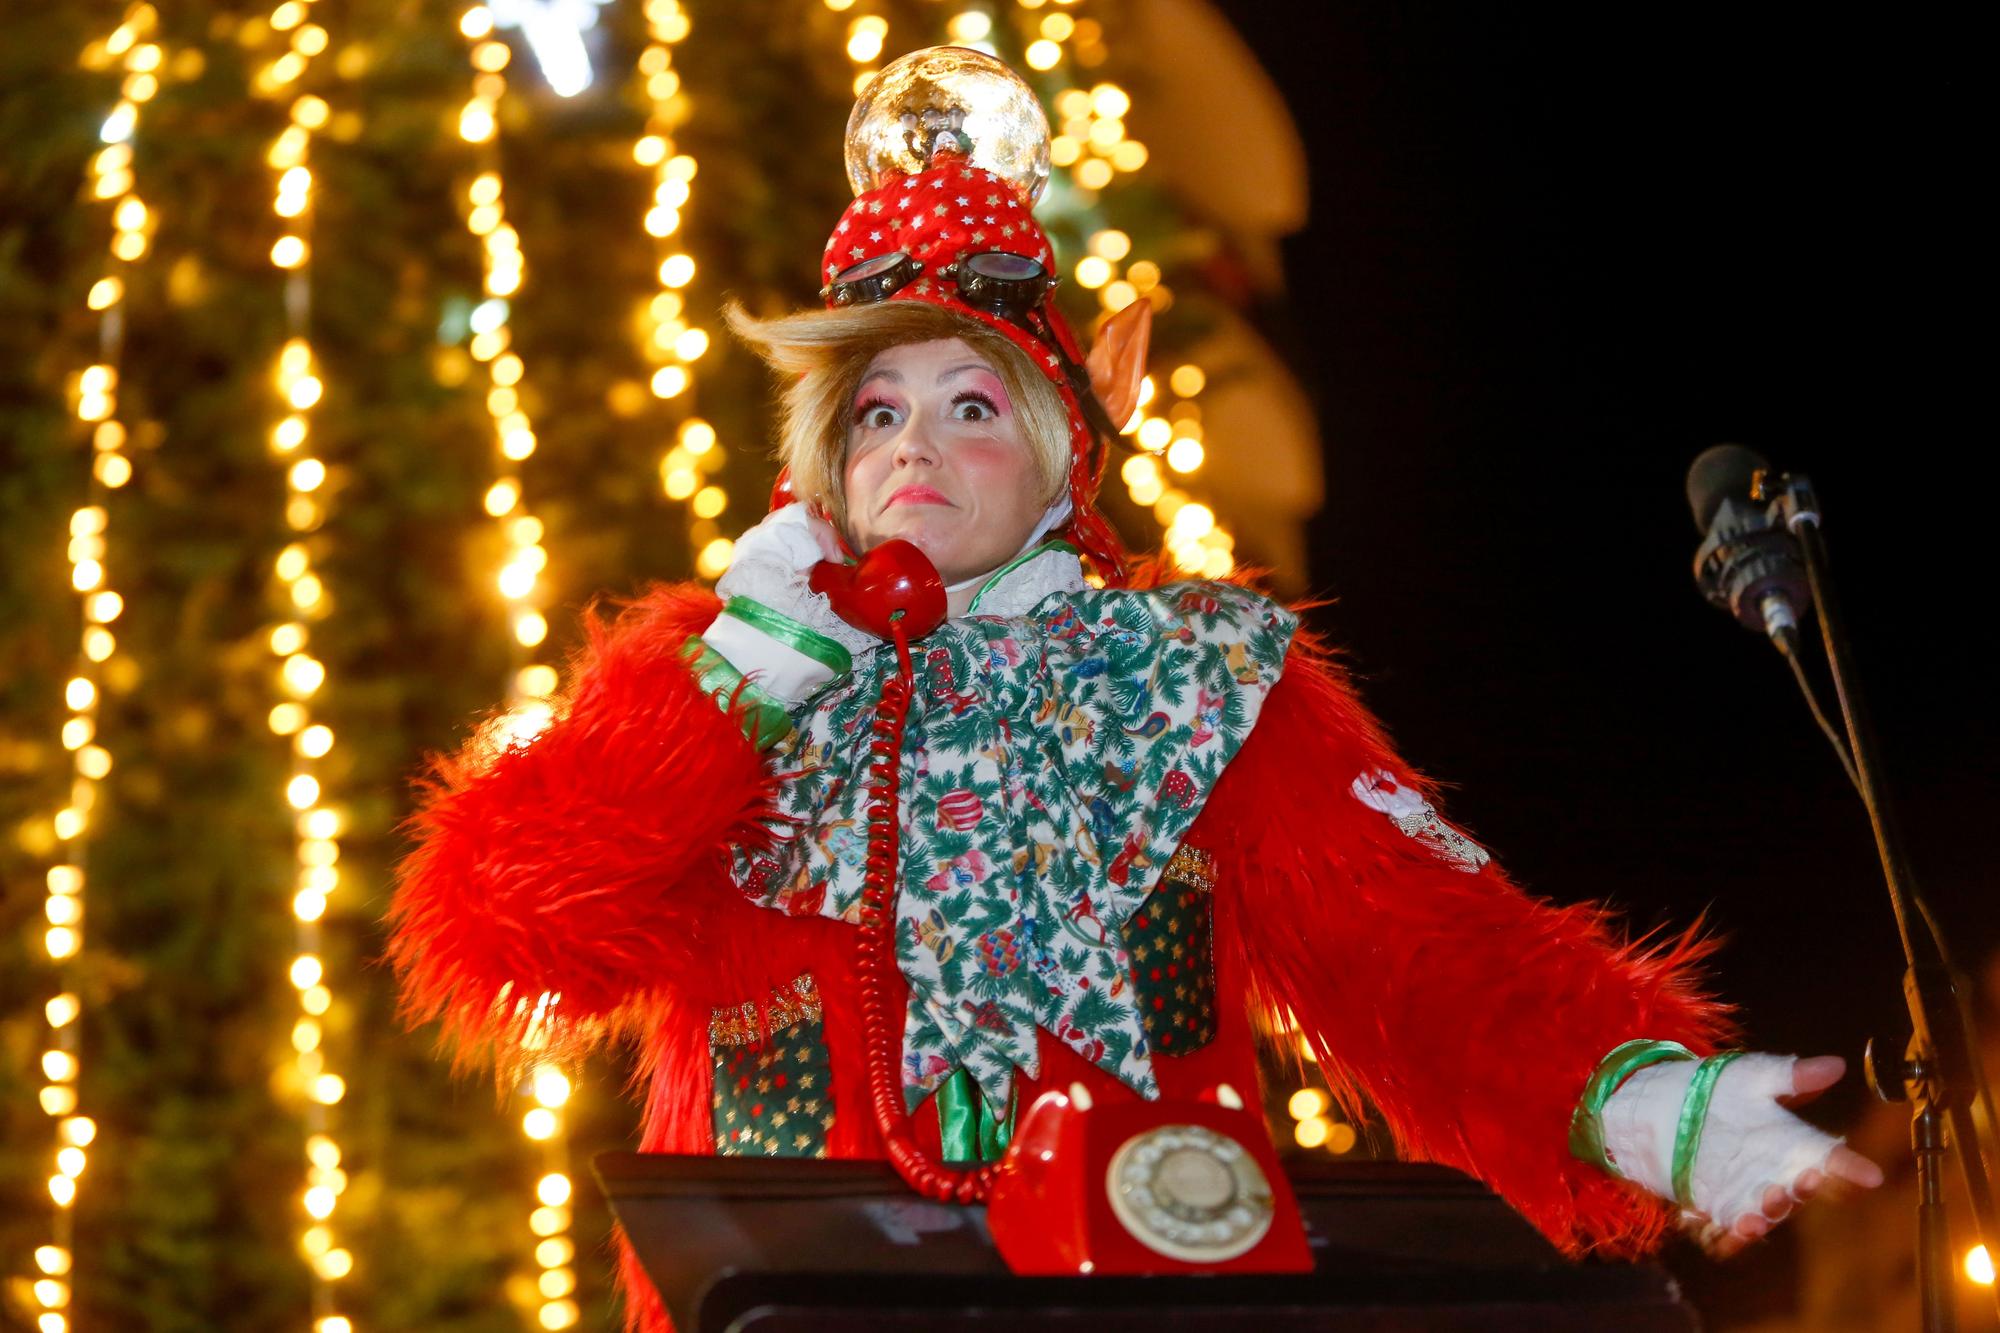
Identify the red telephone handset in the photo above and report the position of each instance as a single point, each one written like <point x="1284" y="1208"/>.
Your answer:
<point x="894" y="586"/>
<point x="1138" y="1187"/>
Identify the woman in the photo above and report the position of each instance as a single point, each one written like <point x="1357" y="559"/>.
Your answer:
<point x="1136" y="818"/>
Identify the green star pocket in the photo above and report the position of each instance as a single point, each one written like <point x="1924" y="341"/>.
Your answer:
<point x="1171" y="939"/>
<point x="773" y="1081"/>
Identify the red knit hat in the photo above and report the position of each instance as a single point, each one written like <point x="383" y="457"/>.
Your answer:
<point x="939" y="216"/>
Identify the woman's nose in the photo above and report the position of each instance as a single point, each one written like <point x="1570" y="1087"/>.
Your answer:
<point x="915" y="445"/>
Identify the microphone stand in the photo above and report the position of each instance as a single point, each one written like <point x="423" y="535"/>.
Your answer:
<point x="1939" y="1070"/>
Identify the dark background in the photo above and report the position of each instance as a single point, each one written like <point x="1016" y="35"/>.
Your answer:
<point x="1553" y="254"/>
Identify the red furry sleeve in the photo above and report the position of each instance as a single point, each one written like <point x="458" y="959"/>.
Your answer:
<point x="578" y="864"/>
<point x="1470" y="1013"/>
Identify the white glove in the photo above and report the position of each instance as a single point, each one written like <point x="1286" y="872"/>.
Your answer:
<point x="774" y="628"/>
<point x="1749" y="1143"/>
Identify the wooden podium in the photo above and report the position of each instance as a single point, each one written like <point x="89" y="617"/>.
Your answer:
<point x="741" y="1245"/>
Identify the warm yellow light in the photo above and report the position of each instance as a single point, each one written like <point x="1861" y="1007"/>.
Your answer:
<point x="1043" y="54"/>
<point x="302" y="791"/>
<point x="62" y="1010"/>
<point x="710" y="501"/>
<point x="1185" y="455"/>
<point x="308" y="905"/>
<point x="1156" y="432"/>
<point x="1118" y="295"/>
<point x="308" y="474"/>
<point x="55" y="1260"/>
<point x="1340" y="1138"/>
<point x="287" y="718"/>
<point x="86" y="575"/>
<point x="98" y="643"/>
<point x="540" y="1123"/>
<point x="1307" y="1103"/>
<point x="865" y="45"/>
<point x="555" y="1252"/>
<point x="306" y="971"/>
<point x="551" y="1088"/>
<point x="650" y="150"/>
<point x="1092" y="271"/>
<point x="517" y="444"/>
<point x="1194" y="520"/>
<point x="319" y="1202"/>
<point x="104" y="293"/>
<point x="63" y="911"/>
<point x="697" y="436"/>
<point x="516" y="580"/>
<point x="1109" y="100"/>
<point x="70" y="1161"/>
<point x="491" y="57"/>
<point x="316" y="1000"/>
<point x="691" y="344"/>
<point x="51" y="1293"/>
<point x="669" y="381"/>
<point x="314" y="742"/>
<point x="333" y="1323"/>
<point x="304" y="391"/>
<point x="1106" y="134"/>
<point x="530" y="628"/>
<point x="559" y="1314"/>
<point x="714" y="558"/>
<point x="475" y="122"/>
<point x="662" y="220"/>
<point x="485" y="188"/>
<point x="1311" y="1133"/>
<point x="328" y="1089"/>
<point x="302" y="675"/>
<point x="557" y="1283"/>
<point x="79" y="1130"/>
<point x="79" y="694"/>
<point x="322" y="1152"/>
<point x="1112" y="244"/>
<point x="60" y="1067"/>
<point x="547" y="1221"/>
<point x="58" y="1100"/>
<point x="130" y="215"/>
<point x="1979" y="1265"/>
<point x="502" y="496"/>
<point x="553" y="1189"/>
<point x="288" y="252"/>
<point x="677" y="270"/>
<point x="335" y="1265"/>
<point x="1094" y="174"/>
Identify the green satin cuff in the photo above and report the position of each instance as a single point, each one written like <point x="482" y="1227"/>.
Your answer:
<point x="967" y="1131"/>
<point x="763" y="717"/>
<point x="1586" y="1126"/>
<point x="1694" y="1117"/>
<point x="791" y="633"/>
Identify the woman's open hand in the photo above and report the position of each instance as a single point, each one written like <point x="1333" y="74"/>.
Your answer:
<point x="1843" y="1171"/>
<point x="1755" y="1160"/>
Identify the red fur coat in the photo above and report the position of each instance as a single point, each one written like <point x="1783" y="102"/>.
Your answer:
<point x="592" y="864"/>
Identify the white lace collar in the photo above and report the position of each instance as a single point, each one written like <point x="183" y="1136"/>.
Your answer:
<point x="1017" y="586"/>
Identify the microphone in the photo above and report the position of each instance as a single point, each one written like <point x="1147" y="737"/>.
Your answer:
<point x="1748" y="563"/>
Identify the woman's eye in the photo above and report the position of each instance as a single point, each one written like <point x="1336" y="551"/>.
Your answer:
<point x="973" y="407"/>
<point x="877" y="415"/>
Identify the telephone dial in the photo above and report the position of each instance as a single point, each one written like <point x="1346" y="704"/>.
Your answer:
<point x="1132" y="1187"/>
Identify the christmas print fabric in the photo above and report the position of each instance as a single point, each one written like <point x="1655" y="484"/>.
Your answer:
<point x="1053" y="760"/>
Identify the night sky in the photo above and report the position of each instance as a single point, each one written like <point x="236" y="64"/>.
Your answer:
<point x="1552" y="256"/>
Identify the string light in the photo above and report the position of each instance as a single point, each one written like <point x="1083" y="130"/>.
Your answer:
<point x="1093" y="144"/>
<point x="299" y="676"/>
<point x="546" y="1089"/>
<point x="671" y="340"/>
<point x="866" y="35"/>
<point x="95" y="401"/>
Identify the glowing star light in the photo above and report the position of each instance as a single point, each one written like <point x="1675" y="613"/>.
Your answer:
<point x="554" y="31"/>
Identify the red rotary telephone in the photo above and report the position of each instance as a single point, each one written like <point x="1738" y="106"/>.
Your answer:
<point x="1137" y="1187"/>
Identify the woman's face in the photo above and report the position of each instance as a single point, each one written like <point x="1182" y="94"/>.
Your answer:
<point x="936" y="455"/>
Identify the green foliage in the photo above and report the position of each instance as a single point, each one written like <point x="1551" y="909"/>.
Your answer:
<point x="189" y="1213"/>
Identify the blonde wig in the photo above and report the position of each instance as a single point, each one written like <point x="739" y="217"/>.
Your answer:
<point x="821" y="355"/>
